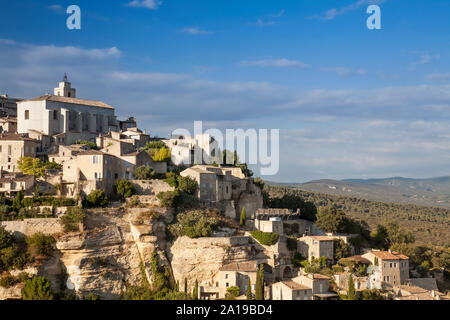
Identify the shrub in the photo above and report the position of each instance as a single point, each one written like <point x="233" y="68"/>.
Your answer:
<point x="168" y="199"/>
<point x="193" y="224"/>
<point x="96" y="199"/>
<point x="8" y="281"/>
<point x="188" y="185"/>
<point x="124" y="188"/>
<point x="243" y="217"/>
<point x="155" y="145"/>
<point x="37" y="288"/>
<point x="161" y="155"/>
<point x="297" y="259"/>
<point x="6" y="238"/>
<point x="265" y="238"/>
<point x="40" y="244"/>
<point x="90" y="144"/>
<point x="291" y="243"/>
<point x="144" y="173"/>
<point x="234" y="291"/>
<point x="73" y="217"/>
<point x="91" y="296"/>
<point x="172" y="179"/>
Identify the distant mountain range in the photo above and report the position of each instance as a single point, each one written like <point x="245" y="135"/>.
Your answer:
<point x="425" y="192"/>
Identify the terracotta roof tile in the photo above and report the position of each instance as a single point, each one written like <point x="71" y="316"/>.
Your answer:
<point x="90" y="103"/>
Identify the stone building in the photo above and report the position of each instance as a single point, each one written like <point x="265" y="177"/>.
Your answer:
<point x="8" y="106"/>
<point x="392" y="268"/>
<point x="65" y="117"/>
<point x="187" y="150"/>
<point x="8" y="124"/>
<point x="284" y="220"/>
<point x="12" y="148"/>
<point x="12" y="183"/>
<point x="290" y="290"/>
<point x="236" y="274"/>
<point x="318" y="283"/>
<point x="316" y="247"/>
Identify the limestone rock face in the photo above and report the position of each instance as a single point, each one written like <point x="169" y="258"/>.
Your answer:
<point x="200" y="259"/>
<point x="102" y="259"/>
<point x="12" y="293"/>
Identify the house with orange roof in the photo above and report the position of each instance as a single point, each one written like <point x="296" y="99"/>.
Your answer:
<point x="389" y="268"/>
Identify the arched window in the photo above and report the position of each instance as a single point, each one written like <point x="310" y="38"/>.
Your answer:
<point x="27" y="114"/>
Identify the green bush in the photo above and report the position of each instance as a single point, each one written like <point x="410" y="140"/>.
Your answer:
<point x="291" y="243"/>
<point x="168" y="199"/>
<point x="172" y="179"/>
<point x="91" y="296"/>
<point x="13" y="253"/>
<point x="188" y="185"/>
<point x="144" y="173"/>
<point x="73" y="217"/>
<point x="124" y="188"/>
<point x="193" y="224"/>
<point x="90" y="144"/>
<point x="37" y="288"/>
<point x="8" y="281"/>
<point x="265" y="238"/>
<point x="40" y="244"/>
<point x="234" y="291"/>
<point x="297" y="259"/>
<point x="96" y="199"/>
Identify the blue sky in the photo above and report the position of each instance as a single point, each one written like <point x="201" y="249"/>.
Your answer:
<point x="349" y="102"/>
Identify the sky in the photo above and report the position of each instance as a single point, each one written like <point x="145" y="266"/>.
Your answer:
<point x="349" y="102"/>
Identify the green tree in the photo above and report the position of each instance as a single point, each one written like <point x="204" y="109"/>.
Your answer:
<point x="195" y="291"/>
<point x="249" y="294"/>
<point x="188" y="185"/>
<point x="96" y="199"/>
<point x="243" y="216"/>
<point x="144" y="173"/>
<point x="73" y="217"/>
<point x="259" y="287"/>
<point x="37" y="288"/>
<point x="40" y="244"/>
<point x="341" y="249"/>
<point x="124" y="188"/>
<point x="351" y="292"/>
<point x="330" y="219"/>
<point x="185" y="286"/>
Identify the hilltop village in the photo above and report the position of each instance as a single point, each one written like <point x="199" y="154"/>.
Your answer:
<point x="92" y="207"/>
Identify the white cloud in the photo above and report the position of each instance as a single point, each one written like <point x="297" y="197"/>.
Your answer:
<point x="57" y="8"/>
<point x="279" y="63"/>
<point x="402" y="130"/>
<point x="195" y="31"/>
<point x="269" y="19"/>
<point x="149" y="4"/>
<point x="424" y="59"/>
<point x="345" y="72"/>
<point x="438" y="76"/>
<point x="334" y="12"/>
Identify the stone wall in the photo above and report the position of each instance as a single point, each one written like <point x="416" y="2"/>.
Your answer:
<point x="28" y="227"/>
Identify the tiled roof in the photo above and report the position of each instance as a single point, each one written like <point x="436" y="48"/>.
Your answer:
<point x="14" y="137"/>
<point x="320" y="238"/>
<point x="295" y="286"/>
<point x="320" y="276"/>
<point x="90" y="103"/>
<point x="247" y="266"/>
<point x="91" y="153"/>
<point x="386" y="255"/>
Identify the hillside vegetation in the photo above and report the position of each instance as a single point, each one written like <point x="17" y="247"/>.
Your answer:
<point x="430" y="225"/>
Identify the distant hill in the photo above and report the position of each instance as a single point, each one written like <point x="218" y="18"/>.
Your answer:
<point x="423" y="192"/>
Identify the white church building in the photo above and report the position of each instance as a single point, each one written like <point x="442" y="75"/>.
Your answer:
<point x="65" y="117"/>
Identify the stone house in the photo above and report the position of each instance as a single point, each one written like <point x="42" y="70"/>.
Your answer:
<point x="284" y="220"/>
<point x="393" y="267"/>
<point x="187" y="150"/>
<point x="8" y="124"/>
<point x="214" y="184"/>
<point x="341" y="280"/>
<point x="318" y="283"/>
<point x="12" y="148"/>
<point x="65" y="117"/>
<point x="8" y="106"/>
<point x="12" y="183"/>
<point x="290" y="290"/>
<point x="316" y="246"/>
<point x="236" y="274"/>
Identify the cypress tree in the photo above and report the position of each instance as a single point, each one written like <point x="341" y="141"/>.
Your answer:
<point x="185" y="286"/>
<point x="243" y="216"/>
<point x="351" y="293"/>
<point x="195" y="291"/>
<point x="249" y="290"/>
<point x="259" y="288"/>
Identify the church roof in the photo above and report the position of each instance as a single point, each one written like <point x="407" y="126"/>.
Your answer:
<point x="89" y="103"/>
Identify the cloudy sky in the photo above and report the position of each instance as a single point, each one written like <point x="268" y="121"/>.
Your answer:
<point x="349" y="102"/>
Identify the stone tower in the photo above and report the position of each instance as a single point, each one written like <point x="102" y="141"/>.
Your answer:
<point x="65" y="89"/>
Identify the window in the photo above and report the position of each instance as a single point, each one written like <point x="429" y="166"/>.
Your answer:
<point x="0" y="148"/>
<point x="227" y="189"/>
<point x="227" y="284"/>
<point x="27" y="114"/>
<point x="55" y="114"/>
<point x="9" y="150"/>
<point x="226" y="276"/>
<point x="68" y="94"/>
